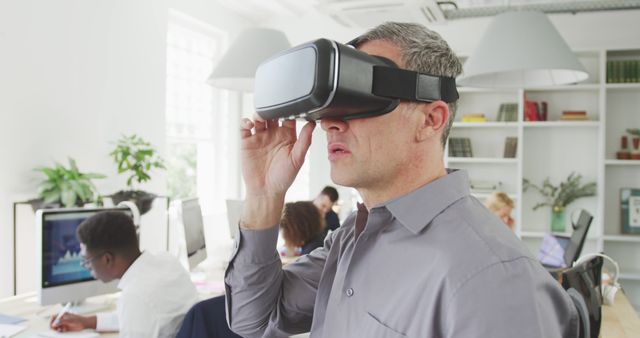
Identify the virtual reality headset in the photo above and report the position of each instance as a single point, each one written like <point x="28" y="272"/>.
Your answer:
<point x="326" y="79"/>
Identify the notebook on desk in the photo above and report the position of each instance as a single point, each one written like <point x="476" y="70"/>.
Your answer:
<point x="558" y="251"/>
<point x="75" y="334"/>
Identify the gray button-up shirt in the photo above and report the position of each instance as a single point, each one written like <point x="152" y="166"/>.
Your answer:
<point x="432" y="263"/>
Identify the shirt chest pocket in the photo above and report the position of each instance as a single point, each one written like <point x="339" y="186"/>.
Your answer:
<point x="376" y="328"/>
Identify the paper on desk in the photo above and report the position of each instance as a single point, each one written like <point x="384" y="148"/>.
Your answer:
<point x="6" y="319"/>
<point x="76" y="334"/>
<point x="8" y="330"/>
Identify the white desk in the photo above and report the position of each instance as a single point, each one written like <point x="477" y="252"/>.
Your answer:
<point x="620" y="320"/>
<point x="26" y="306"/>
<point x="209" y="282"/>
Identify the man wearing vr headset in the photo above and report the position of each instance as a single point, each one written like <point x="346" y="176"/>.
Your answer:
<point x="420" y="257"/>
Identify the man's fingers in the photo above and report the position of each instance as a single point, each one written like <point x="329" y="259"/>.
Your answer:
<point x="289" y="124"/>
<point x="272" y="124"/>
<point x="260" y="125"/>
<point x="245" y="127"/>
<point x="304" y="141"/>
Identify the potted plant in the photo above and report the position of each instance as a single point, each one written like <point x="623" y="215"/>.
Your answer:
<point x="559" y="197"/>
<point x="137" y="157"/>
<point x="67" y="187"/>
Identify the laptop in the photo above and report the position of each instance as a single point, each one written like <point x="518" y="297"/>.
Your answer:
<point x="557" y="251"/>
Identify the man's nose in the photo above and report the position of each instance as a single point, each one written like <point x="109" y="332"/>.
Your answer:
<point x="333" y="125"/>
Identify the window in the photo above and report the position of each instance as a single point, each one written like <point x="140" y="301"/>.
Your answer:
<point x="198" y="116"/>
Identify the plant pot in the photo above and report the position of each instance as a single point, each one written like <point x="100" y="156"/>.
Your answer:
<point x="142" y="199"/>
<point x="557" y="219"/>
<point x="38" y="203"/>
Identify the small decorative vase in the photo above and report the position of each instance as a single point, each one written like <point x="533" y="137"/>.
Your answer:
<point x="623" y="153"/>
<point x="635" y="152"/>
<point x="557" y="219"/>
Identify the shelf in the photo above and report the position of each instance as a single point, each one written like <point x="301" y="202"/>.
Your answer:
<point x="485" y="90"/>
<point x="622" y="162"/>
<point x="623" y="85"/>
<point x="540" y="234"/>
<point x="488" y="160"/>
<point x="492" y="124"/>
<point x="483" y="195"/>
<point x="562" y="124"/>
<point x="576" y="87"/>
<point x="622" y="238"/>
<point x="629" y="274"/>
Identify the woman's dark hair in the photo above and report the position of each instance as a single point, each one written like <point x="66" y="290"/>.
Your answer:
<point x="110" y="231"/>
<point x="300" y="223"/>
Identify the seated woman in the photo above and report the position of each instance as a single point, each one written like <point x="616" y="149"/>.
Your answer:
<point x="501" y="205"/>
<point x="302" y="227"/>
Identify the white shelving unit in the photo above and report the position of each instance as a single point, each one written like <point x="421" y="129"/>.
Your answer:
<point x="555" y="148"/>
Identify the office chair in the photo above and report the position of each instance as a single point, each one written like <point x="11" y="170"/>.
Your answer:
<point x="608" y="291"/>
<point x="583" y="284"/>
<point x="206" y="319"/>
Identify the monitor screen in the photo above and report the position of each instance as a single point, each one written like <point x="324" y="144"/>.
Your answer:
<point x="61" y="276"/>
<point x="193" y="231"/>
<point x="61" y="259"/>
<point x="552" y="250"/>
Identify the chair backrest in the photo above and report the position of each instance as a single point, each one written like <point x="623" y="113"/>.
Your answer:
<point x="584" y="280"/>
<point x="580" y="228"/>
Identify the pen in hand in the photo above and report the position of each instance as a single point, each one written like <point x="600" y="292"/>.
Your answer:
<point x="64" y="310"/>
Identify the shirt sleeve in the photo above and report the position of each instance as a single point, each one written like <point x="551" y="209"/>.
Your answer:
<point x="265" y="299"/>
<point x="508" y="299"/>
<point x="107" y="321"/>
<point x="138" y="319"/>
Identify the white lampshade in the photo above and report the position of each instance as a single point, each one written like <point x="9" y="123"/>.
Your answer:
<point x="238" y="66"/>
<point x="522" y="49"/>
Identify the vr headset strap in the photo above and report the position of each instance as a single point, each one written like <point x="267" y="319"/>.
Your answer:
<point x="413" y="86"/>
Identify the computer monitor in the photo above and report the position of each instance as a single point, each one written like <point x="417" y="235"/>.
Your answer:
<point x="61" y="276"/>
<point x="234" y="211"/>
<point x="191" y="217"/>
<point x="557" y="251"/>
<point x="581" y="225"/>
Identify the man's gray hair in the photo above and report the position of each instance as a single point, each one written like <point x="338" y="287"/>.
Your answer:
<point x="422" y="50"/>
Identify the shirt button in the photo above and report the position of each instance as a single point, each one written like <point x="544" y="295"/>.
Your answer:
<point x="349" y="292"/>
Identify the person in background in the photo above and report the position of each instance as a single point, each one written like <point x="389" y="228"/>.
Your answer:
<point x="420" y="257"/>
<point x="501" y="205"/>
<point x="325" y="201"/>
<point x="156" y="289"/>
<point x="302" y="228"/>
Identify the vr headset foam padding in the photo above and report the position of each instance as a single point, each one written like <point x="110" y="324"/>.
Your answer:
<point x="326" y="79"/>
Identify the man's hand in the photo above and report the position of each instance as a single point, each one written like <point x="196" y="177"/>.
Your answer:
<point x="272" y="156"/>
<point x="71" y="322"/>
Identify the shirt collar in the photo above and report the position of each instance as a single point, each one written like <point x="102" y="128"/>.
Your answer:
<point x="134" y="269"/>
<point x="418" y="208"/>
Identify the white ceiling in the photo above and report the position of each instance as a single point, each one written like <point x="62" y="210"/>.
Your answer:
<point x="367" y="13"/>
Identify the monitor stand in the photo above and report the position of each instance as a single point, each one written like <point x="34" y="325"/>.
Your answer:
<point x="83" y="307"/>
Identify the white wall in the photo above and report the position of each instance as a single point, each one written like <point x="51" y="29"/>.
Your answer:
<point x="74" y="76"/>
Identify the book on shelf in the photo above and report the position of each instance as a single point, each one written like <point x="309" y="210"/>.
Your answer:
<point x="530" y="111"/>
<point x="460" y="147"/>
<point x="483" y="186"/>
<point x="535" y="111"/>
<point x="474" y="118"/>
<point x="574" y="115"/>
<point x="508" y="112"/>
<point x="623" y="71"/>
<point x="510" y="147"/>
<point x="630" y="210"/>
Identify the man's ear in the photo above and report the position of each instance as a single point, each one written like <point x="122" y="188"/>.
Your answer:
<point x="433" y="120"/>
<point x="109" y="259"/>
